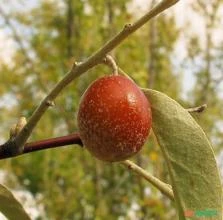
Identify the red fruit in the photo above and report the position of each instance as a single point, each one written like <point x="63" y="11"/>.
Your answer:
<point x="114" y="118"/>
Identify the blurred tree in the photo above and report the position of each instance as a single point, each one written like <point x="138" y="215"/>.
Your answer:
<point x="205" y="56"/>
<point x="48" y="38"/>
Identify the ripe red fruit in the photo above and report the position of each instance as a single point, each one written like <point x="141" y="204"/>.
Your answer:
<point x="114" y="118"/>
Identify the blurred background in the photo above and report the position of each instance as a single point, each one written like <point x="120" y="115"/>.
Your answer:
<point x="179" y="53"/>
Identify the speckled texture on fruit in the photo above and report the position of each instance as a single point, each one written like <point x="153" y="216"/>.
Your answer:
<point x="114" y="118"/>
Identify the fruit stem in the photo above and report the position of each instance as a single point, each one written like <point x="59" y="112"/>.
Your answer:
<point x="109" y="61"/>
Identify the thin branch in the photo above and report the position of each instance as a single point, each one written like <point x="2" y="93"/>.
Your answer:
<point x="166" y="189"/>
<point x="53" y="143"/>
<point x="198" y="109"/>
<point x="79" y="69"/>
<point x="46" y="144"/>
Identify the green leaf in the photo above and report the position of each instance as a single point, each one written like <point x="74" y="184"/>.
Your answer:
<point x="190" y="159"/>
<point x="10" y="207"/>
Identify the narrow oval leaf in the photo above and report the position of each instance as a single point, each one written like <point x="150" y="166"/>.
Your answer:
<point x="10" y="207"/>
<point x="190" y="159"/>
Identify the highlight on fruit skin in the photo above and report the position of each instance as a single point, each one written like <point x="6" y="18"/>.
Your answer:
<point x="114" y="118"/>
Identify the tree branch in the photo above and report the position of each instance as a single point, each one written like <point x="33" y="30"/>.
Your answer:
<point x="166" y="189"/>
<point x="43" y="145"/>
<point x="79" y="68"/>
<point x="198" y="109"/>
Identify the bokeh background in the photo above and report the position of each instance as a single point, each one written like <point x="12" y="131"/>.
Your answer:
<point x="179" y="53"/>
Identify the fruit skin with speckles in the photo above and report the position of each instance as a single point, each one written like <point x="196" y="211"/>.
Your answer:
<point x="114" y="118"/>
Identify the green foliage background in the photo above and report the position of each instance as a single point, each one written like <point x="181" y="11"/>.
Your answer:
<point x="48" y="37"/>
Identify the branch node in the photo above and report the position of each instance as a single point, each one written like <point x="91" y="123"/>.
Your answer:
<point x="10" y="149"/>
<point x="75" y="64"/>
<point x="50" y="103"/>
<point x="127" y="27"/>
